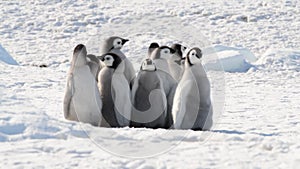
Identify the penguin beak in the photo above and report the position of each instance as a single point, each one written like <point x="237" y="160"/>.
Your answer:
<point x="101" y="57"/>
<point x="124" y="41"/>
<point x="172" y="51"/>
<point x="199" y="56"/>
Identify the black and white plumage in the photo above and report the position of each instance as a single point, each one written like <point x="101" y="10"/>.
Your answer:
<point x="160" y="58"/>
<point x="115" y="91"/>
<point x="176" y="61"/>
<point x="114" y="45"/>
<point x="192" y="108"/>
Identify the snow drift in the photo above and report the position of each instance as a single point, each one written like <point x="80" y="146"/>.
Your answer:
<point x="229" y="59"/>
<point x="5" y="57"/>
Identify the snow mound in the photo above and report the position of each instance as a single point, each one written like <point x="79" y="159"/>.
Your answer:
<point x="229" y="59"/>
<point x="280" y="60"/>
<point x="5" y="57"/>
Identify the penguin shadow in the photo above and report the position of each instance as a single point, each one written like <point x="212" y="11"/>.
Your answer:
<point x="235" y="132"/>
<point x="229" y="132"/>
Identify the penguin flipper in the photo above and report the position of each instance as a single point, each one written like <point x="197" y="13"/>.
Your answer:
<point x="94" y="68"/>
<point x="68" y="96"/>
<point x="170" y="100"/>
<point x="178" y="61"/>
<point x="93" y="58"/>
<point x="179" y="106"/>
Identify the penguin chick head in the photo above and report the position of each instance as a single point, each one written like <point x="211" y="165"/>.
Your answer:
<point x="79" y="55"/>
<point x="111" y="60"/>
<point x="179" y="49"/>
<point x="148" y="65"/>
<point x="163" y="52"/>
<point x="194" y="56"/>
<point x="119" y="42"/>
<point x="115" y="42"/>
<point x="178" y="56"/>
<point x="152" y="47"/>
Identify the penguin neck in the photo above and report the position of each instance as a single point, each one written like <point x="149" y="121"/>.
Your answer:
<point x="150" y="51"/>
<point x="149" y="54"/>
<point x="178" y="53"/>
<point x="187" y="63"/>
<point x="162" y="64"/>
<point x="118" y="52"/>
<point x="79" y="60"/>
<point x="120" y="68"/>
<point x="198" y="67"/>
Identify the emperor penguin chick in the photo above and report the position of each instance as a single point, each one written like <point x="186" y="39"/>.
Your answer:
<point x="82" y="99"/>
<point x="115" y="91"/>
<point x="114" y="45"/>
<point x="192" y="107"/>
<point x="148" y="98"/>
<point x="160" y="58"/>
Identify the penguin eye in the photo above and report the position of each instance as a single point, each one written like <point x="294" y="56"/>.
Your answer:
<point x="107" y="58"/>
<point x="118" y="42"/>
<point x="166" y="51"/>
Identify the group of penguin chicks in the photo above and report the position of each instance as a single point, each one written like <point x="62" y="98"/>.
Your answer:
<point x="171" y="89"/>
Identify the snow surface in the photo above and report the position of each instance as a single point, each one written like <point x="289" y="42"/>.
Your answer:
<point x="255" y="42"/>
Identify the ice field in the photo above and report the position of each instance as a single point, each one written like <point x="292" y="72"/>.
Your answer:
<point x="251" y="52"/>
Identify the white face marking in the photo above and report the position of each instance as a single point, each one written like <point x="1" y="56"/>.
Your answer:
<point x="108" y="60"/>
<point x="193" y="58"/>
<point x="148" y="67"/>
<point x="117" y="43"/>
<point x="165" y="54"/>
<point x="183" y="49"/>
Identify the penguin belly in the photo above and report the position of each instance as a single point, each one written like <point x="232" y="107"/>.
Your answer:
<point x="86" y="100"/>
<point x="192" y="107"/>
<point x="186" y="102"/>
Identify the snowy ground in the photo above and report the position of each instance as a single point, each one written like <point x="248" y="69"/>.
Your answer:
<point x="259" y="127"/>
